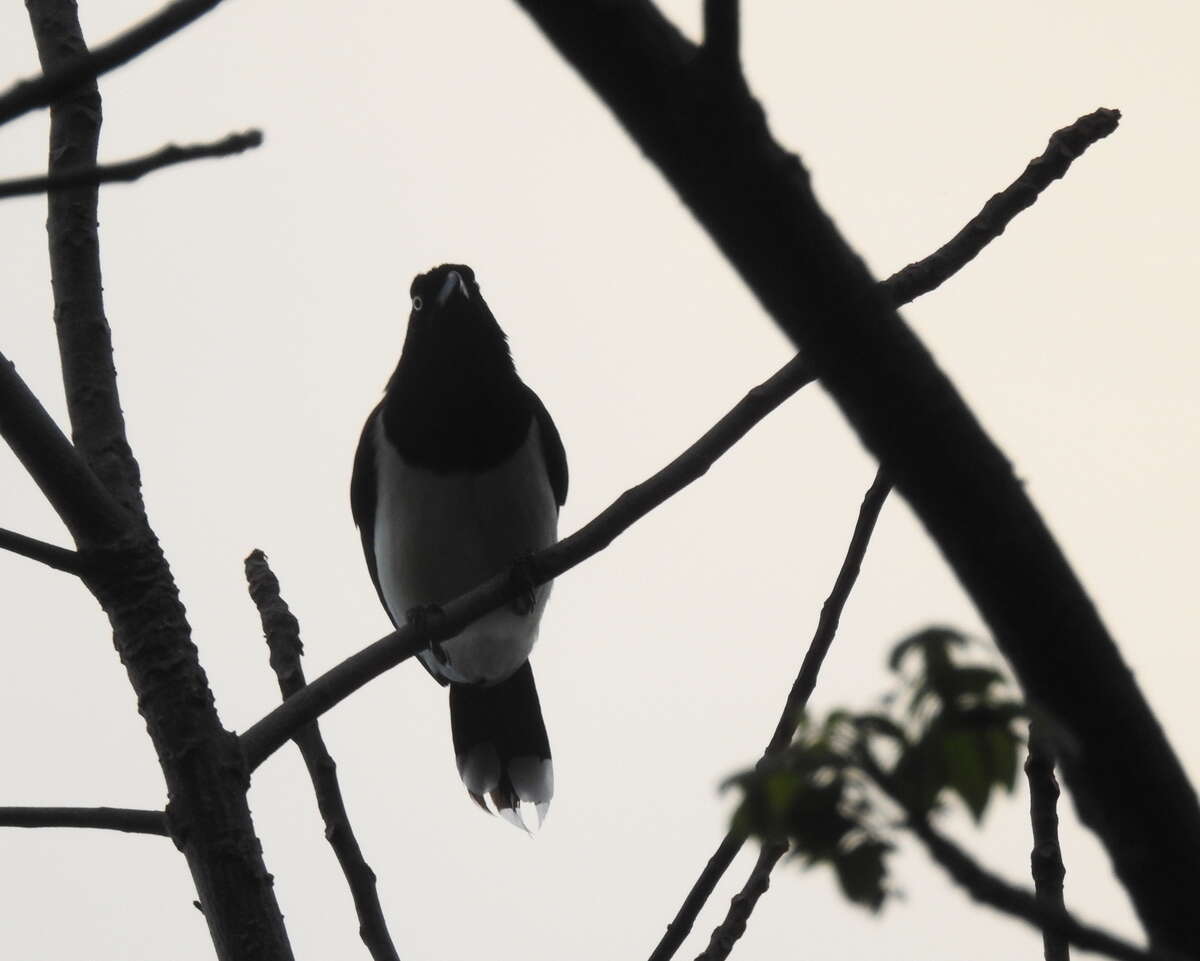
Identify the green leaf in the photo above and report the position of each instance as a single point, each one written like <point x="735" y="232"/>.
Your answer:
<point x="933" y="643"/>
<point x="861" y="871"/>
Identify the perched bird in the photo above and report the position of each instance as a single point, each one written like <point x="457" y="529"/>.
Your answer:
<point x="460" y="474"/>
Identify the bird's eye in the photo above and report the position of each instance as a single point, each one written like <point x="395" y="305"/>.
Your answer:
<point x="417" y="303"/>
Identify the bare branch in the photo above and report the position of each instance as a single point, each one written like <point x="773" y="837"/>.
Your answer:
<point x="282" y="632"/>
<point x="995" y="892"/>
<point x="42" y="91"/>
<point x="129" y="820"/>
<point x="80" y="500"/>
<point x="806" y="680"/>
<point x="84" y="339"/>
<point x="712" y="143"/>
<point x="128" y="171"/>
<point x="51" y="555"/>
<point x="742" y="906"/>
<point x="1064" y="147"/>
<point x="1046" y="858"/>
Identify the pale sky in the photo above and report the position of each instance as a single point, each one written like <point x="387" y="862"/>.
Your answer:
<point x="258" y="305"/>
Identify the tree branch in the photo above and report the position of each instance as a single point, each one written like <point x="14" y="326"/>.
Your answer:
<point x="51" y="555"/>
<point x="806" y="680"/>
<point x="268" y="734"/>
<point x="34" y="92"/>
<point x="84" y="338"/>
<point x="742" y="906"/>
<point x="1046" y="858"/>
<point x="129" y="820"/>
<point x="128" y="171"/>
<point x="995" y="892"/>
<point x="85" y="506"/>
<point x="713" y="145"/>
<point x="282" y="632"/>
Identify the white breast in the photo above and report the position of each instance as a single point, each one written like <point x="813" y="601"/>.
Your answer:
<point x="437" y="535"/>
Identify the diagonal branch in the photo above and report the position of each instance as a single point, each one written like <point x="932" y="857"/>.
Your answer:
<point x="128" y="171"/>
<point x="995" y="892"/>
<point x="80" y="500"/>
<point x="711" y="141"/>
<point x="44" y="90"/>
<point x="731" y="929"/>
<point x="51" y="555"/>
<point x="84" y="338"/>
<point x="282" y="632"/>
<point x="722" y="28"/>
<point x="272" y="732"/>
<point x="129" y="820"/>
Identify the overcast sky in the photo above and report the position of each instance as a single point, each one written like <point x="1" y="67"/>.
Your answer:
<point x="258" y="306"/>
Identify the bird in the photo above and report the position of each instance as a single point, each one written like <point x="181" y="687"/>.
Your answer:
<point x="459" y="475"/>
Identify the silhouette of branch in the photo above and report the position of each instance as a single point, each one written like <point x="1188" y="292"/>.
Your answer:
<point x="84" y="338"/>
<point x="806" y="680"/>
<point x="1064" y="147"/>
<point x="1046" y="858"/>
<point x="130" y="820"/>
<point x="72" y="489"/>
<point x="710" y="139"/>
<point x="130" y="170"/>
<point x="271" y="732"/>
<point x="282" y="632"/>
<point x="34" y="92"/>
<point x="995" y="892"/>
<point x="51" y="555"/>
<point x="742" y="906"/>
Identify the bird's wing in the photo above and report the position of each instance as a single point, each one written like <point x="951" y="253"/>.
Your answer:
<point x="552" y="449"/>
<point x="363" y="498"/>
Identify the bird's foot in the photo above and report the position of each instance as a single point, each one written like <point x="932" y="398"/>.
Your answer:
<point x="524" y="576"/>
<point x="419" y="617"/>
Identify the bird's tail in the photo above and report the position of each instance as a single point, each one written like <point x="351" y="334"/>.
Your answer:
<point x="501" y="746"/>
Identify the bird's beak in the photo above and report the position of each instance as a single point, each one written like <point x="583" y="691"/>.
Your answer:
<point x="453" y="280"/>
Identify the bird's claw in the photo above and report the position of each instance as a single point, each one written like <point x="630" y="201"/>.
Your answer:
<point x="419" y="617"/>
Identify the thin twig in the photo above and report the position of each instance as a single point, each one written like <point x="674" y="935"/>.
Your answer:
<point x="1065" y="146"/>
<point x="806" y="680"/>
<point x="268" y="734"/>
<point x="994" y="891"/>
<point x="742" y="906"/>
<point x="60" y="558"/>
<point x="282" y="632"/>
<point x="87" y="509"/>
<point x="41" y="91"/>
<point x="129" y="820"/>
<point x="128" y="171"/>
<point x="1045" y="860"/>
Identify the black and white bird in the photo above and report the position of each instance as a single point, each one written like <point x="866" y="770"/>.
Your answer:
<point x="460" y="474"/>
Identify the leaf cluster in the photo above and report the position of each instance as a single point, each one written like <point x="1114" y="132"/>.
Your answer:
<point x="949" y="727"/>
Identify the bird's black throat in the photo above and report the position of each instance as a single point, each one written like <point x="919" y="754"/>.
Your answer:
<point x="455" y="401"/>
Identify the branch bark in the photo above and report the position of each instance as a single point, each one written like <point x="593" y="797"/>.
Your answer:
<point x="129" y="820"/>
<point x="128" y="171"/>
<point x="282" y="632"/>
<point x="207" y="813"/>
<point x="710" y="139"/>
